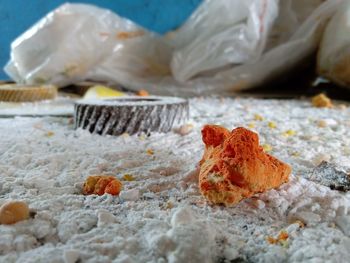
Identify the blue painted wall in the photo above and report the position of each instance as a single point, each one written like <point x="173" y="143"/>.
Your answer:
<point x="157" y="15"/>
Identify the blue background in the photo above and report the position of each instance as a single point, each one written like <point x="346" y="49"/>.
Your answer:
<point x="160" y="16"/>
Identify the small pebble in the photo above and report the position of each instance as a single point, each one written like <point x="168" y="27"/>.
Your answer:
<point x="185" y="129"/>
<point x="327" y="122"/>
<point x="71" y="256"/>
<point x="321" y="157"/>
<point x="105" y="217"/>
<point x="130" y="195"/>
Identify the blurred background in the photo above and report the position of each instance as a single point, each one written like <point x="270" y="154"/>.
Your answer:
<point x="160" y="16"/>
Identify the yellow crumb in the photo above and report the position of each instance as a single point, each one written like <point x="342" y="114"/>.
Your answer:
<point x="50" y="134"/>
<point x="128" y="177"/>
<point x="251" y="125"/>
<point x="272" y="125"/>
<point x="289" y="133"/>
<point x="258" y="117"/>
<point x="267" y="147"/>
<point x="295" y="154"/>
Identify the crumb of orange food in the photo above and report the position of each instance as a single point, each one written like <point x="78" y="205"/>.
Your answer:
<point x="321" y="101"/>
<point x="235" y="166"/>
<point x="142" y="93"/>
<point x="102" y="184"/>
<point x="150" y="152"/>
<point x="282" y="236"/>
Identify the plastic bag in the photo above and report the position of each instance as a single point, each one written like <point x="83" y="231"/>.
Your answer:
<point x="334" y="53"/>
<point x="63" y="47"/>
<point x="225" y="46"/>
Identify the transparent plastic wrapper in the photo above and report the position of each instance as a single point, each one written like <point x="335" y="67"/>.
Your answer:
<point x="63" y="47"/>
<point x="334" y="53"/>
<point x="225" y="46"/>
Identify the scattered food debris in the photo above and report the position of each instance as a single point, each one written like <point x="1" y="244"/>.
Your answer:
<point x="13" y="212"/>
<point x="321" y="101"/>
<point x="142" y="93"/>
<point x="251" y="125"/>
<point x="102" y="184"/>
<point x="245" y="169"/>
<point x="50" y="134"/>
<point x="258" y="117"/>
<point x="289" y="133"/>
<point x="282" y="236"/>
<point x="330" y="175"/>
<point x="128" y="177"/>
<point x="150" y="152"/>
<point x="272" y="125"/>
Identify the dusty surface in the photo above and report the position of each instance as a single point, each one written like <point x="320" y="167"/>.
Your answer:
<point x="160" y="215"/>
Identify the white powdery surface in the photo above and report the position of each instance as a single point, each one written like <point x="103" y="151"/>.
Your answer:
<point x="161" y="216"/>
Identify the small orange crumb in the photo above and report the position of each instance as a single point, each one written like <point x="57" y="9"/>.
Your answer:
<point x="283" y="235"/>
<point x="142" y="93"/>
<point x="271" y="240"/>
<point x="113" y="187"/>
<point x="321" y="101"/>
<point x="150" y="152"/>
<point x="101" y="184"/>
<point x="281" y="239"/>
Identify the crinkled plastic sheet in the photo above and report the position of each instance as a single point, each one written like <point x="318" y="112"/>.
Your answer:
<point x="225" y="46"/>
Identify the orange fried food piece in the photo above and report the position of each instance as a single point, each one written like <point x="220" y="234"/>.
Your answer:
<point x="235" y="166"/>
<point x="321" y="101"/>
<point x="101" y="184"/>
